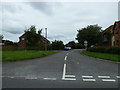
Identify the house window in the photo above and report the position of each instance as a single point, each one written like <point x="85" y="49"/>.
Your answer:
<point x="23" y="38"/>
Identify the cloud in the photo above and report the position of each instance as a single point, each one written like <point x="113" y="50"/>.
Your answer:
<point x="62" y="19"/>
<point x="42" y="6"/>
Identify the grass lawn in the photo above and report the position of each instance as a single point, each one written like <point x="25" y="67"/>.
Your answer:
<point x="22" y="55"/>
<point x="105" y="56"/>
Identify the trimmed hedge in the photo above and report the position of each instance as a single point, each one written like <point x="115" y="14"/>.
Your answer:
<point x="14" y="48"/>
<point x="112" y="50"/>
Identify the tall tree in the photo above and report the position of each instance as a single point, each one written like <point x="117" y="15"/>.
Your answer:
<point x="57" y="45"/>
<point x="90" y="33"/>
<point x="1" y="38"/>
<point x="32" y="36"/>
<point x="71" y="44"/>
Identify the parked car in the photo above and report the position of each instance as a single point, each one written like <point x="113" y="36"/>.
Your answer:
<point x="67" y="48"/>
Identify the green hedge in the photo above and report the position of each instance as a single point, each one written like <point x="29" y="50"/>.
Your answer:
<point x="112" y="50"/>
<point x="14" y="48"/>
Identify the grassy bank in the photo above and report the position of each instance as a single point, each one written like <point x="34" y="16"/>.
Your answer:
<point x="23" y="55"/>
<point x="105" y="56"/>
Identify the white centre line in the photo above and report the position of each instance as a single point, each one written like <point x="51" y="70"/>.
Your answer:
<point x="49" y="78"/>
<point x="93" y="80"/>
<point x="65" y="57"/>
<point x="103" y="76"/>
<point x="87" y="76"/>
<point x="108" y="80"/>
<point x="118" y="76"/>
<point x="69" y="75"/>
<point x="64" y="71"/>
<point x="31" y="77"/>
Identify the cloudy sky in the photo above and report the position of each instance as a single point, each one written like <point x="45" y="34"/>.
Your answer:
<point x="62" y="19"/>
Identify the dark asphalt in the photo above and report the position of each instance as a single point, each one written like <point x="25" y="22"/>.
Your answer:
<point x="48" y="72"/>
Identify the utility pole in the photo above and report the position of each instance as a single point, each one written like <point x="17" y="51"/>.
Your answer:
<point x="46" y="39"/>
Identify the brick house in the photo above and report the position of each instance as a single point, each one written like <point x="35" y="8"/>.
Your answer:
<point x="22" y="44"/>
<point x="116" y="34"/>
<point x="114" y="40"/>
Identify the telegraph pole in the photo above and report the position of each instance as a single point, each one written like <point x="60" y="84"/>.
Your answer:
<point x="46" y="39"/>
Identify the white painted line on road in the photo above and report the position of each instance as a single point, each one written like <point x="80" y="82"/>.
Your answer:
<point x="67" y="53"/>
<point x="118" y="76"/>
<point x="11" y="77"/>
<point x="69" y="75"/>
<point x="30" y="77"/>
<point x="87" y="76"/>
<point x="49" y="78"/>
<point x="103" y="76"/>
<point x="69" y="79"/>
<point x="108" y="80"/>
<point x="91" y="80"/>
<point x="64" y="71"/>
<point x="65" y="57"/>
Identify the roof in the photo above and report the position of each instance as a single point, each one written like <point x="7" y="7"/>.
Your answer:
<point x="117" y="22"/>
<point x="23" y="35"/>
<point x="107" y="29"/>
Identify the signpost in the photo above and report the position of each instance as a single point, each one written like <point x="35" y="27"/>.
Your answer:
<point x="86" y="44"/>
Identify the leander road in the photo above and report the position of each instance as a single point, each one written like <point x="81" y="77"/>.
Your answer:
<point x="67" y="69"/>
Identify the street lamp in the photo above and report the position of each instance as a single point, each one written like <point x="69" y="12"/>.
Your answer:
<point x="46" y="39"/>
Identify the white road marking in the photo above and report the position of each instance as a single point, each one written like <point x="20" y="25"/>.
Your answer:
<point x="64" y="71"/>
<point x="118" y="76"/>
<point x="11" y="77"/>
<point x="49" y="78"/>
<point x="87" y="76"/>
<point x="77" y="62"/>
<point x="69" y="79"/>
<point x="31" y="77"/>
<point x="67" y="53"/>
<point x="93" y="80"/>
<point x="103" y="76"/>
<point x="69" y="75"/>
<point x="108" y="80"/>
<point x="65" y="57"/>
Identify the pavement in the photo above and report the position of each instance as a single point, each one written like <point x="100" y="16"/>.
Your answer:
<point x="67" y="69"/>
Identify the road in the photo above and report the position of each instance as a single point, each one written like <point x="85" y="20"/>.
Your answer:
<point x="67" y="69"/>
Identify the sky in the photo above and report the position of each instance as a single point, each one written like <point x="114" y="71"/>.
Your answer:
<point x="62" y="19"/>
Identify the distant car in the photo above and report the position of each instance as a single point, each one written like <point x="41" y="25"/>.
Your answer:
<point x="67" y="48"/>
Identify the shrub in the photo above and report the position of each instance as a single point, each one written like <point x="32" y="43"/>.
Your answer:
<point x="112" y="50"/>
<point x="97" y="49"/>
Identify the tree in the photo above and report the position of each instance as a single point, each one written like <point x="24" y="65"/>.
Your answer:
<point x="1" y="38"/>
<point x="91" y="34"/>
<point x="32" y="36"/>
<point x="71" y="44"/>
<point x="57" y="45"/>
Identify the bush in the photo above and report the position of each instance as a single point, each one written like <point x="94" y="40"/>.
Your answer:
<point x="97" y="49"/>
<point x="14" y="48"/>
<point x="112" y="50"/>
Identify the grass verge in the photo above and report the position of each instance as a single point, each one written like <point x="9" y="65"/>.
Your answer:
<point x="23" y="55"/>
<point x="105" y="56"/>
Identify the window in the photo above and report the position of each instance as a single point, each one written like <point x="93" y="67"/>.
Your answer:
<point x="23" y="39"/>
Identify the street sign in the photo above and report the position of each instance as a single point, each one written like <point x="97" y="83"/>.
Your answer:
<point x="85" y="44"/>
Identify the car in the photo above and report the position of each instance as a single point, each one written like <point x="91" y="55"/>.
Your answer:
<point x="67" y="48"/>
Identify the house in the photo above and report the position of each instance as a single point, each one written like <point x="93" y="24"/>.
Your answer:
<point x="116" y="34"/>
<point x="22" y="43"/>
<point x="111" y="35"/>
<point x="107" y="36"/>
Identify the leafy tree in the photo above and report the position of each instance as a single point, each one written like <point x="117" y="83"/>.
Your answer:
<point x="57" y="45"/>
<point x="90" y="33"/>
<point x="32" y="36"/>
<point x="1" y="38"/>
<point x="71" y="44"/>
<point x="78" y="46"/>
